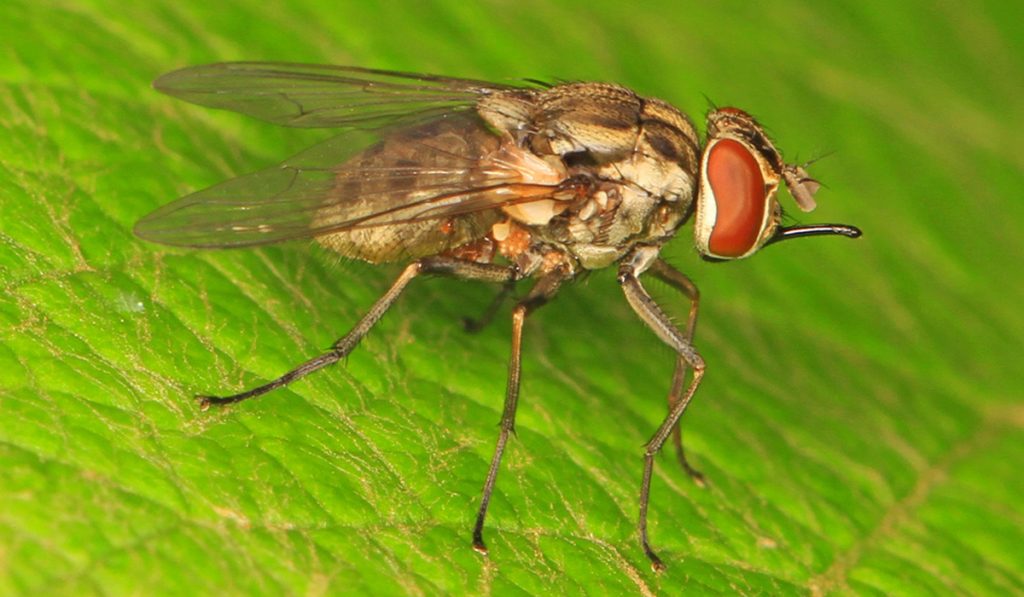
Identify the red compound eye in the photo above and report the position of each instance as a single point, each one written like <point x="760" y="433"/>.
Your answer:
<point x="737" y="188"/>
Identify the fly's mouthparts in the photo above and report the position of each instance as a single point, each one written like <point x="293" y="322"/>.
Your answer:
<point x="786" y="233"/>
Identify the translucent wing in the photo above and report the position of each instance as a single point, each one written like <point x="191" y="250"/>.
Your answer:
<point x="306" y="95"/>
<point x="452" y="169"/>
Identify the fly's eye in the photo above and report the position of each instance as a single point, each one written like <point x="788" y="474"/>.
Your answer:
<point x="734" y="200"/>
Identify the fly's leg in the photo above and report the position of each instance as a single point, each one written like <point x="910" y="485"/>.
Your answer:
<point x="343" y="346"/>
<point x="632" y="266"/>
<point x="541" y="293"/>
<point x="681" y="282"/>
<point x="475" y="325"/>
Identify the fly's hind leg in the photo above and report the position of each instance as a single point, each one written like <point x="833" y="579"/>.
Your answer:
<point x="344" y="345"/>
<point x="681" y="282"/>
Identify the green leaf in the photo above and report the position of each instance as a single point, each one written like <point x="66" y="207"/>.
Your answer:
<point x="860" y="423"/>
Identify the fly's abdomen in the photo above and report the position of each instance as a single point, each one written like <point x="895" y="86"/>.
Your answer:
<point x="418" y="192"/>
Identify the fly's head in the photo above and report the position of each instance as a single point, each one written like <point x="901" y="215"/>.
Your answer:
<point x="737" y="210"/>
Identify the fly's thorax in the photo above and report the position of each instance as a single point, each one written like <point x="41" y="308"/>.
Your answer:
<point x="508" y="112"/>
<point x="642" y="155"/>
<point x="595" y="118"/>
<point x="620" y="215"/>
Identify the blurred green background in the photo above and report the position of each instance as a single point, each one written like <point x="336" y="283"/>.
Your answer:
<point x="861" y="420"/>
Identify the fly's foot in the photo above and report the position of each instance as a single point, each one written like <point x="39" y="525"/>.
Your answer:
<point x="478" y="546"/>
<point x="473" y="326"/>
<point x="696" y="476"/>
<point x="206" y="401"/>
<point x="656" y="564"/>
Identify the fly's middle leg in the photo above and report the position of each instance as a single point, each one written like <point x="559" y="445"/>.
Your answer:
<point x="541" y="293"/>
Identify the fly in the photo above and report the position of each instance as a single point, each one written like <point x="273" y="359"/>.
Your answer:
<point x="498" y="183"/>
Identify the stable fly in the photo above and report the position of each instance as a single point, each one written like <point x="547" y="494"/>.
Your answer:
<point x="498" y="183"/>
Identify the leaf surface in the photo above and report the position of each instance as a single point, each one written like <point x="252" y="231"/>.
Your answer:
<point x="861" y="421"/>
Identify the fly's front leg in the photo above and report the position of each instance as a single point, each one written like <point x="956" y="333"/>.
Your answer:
<point x="344" y="345"/>
<point x="681" y="282"/>
<point x="541" y="293"/>
<point x="632" y="267"/>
